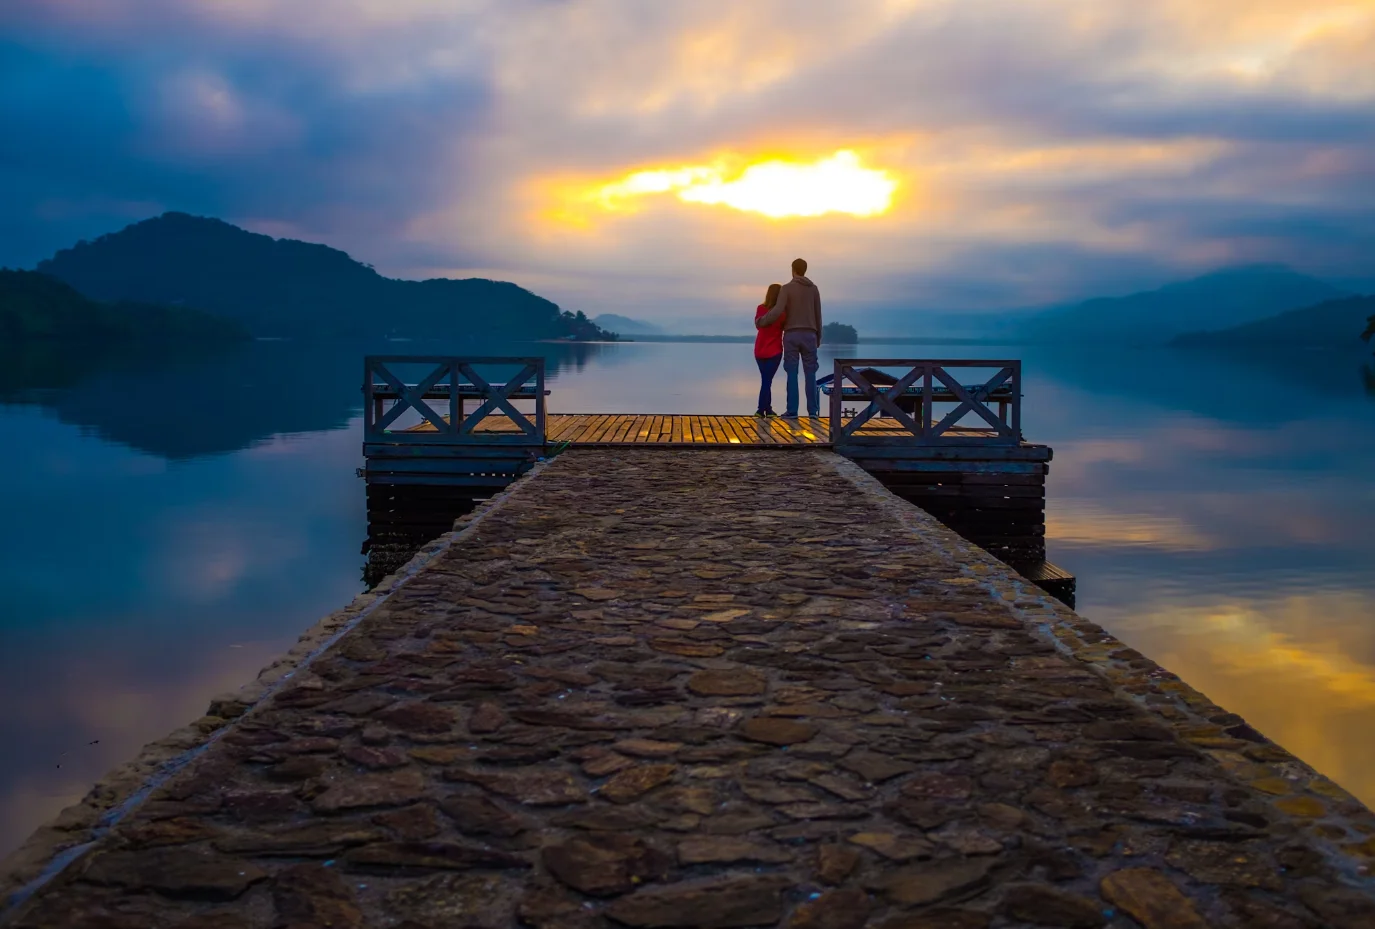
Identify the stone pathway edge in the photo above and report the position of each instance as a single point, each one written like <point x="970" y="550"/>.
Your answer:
<point x="1331" y="819"/>
<point x="60" y="841"/>
<point x="1335" y="822"/>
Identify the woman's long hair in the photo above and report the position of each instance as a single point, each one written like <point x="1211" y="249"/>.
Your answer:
<point x="771" y="295"/>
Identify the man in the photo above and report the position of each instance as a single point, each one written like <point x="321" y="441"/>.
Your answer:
<point x="799" y="304"/>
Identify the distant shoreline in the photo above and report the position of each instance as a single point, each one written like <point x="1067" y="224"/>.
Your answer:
<point x="863" y="340"/>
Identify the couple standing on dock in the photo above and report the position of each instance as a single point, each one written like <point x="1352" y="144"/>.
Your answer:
<point x="789" y="324"/>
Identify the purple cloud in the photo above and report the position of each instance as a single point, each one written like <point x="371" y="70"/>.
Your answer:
<point x="1047" y="151"/>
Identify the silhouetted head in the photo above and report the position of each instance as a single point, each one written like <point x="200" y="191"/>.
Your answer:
<point x="771" y="295"/>
<point x="799" y="267"/>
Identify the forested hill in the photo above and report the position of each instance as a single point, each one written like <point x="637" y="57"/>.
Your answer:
<point x="35" y="306"/>
<point x="282" y="287"/>
<point x="1330" y="324"/>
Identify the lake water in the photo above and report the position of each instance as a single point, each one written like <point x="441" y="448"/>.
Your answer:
<point x="171" y="526"/>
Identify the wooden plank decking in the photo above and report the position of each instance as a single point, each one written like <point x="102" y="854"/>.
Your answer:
<point x="682" y="429"/>
<point x="602" y="429"/>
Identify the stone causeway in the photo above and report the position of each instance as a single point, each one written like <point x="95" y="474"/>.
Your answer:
<point x="705" y="688"/>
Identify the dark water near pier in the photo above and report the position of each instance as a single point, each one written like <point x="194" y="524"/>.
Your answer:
<point x="170" y="526"/>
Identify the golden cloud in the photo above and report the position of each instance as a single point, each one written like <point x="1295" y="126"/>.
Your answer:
<point x="776" y="187"/>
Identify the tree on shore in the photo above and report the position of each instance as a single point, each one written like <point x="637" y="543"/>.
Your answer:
<point x="839" y="333"/>
<point x="579" y="328"/>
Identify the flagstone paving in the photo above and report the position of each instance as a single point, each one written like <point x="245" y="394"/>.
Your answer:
<point x="730" y="688"/>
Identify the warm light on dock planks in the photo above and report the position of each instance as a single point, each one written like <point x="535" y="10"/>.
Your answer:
<point x="682" y="429"/>
<point x="666" y="429"/>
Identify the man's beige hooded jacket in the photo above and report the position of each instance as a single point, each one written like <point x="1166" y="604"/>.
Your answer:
<point x="799" y="303"/>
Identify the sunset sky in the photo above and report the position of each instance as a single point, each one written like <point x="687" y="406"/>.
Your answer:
<point x="667" y="159"/>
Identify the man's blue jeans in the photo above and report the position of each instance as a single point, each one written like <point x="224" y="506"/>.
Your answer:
<point x="801" y="343"/>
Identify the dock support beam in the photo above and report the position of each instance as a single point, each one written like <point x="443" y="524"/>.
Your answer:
<point x="984" y="482"/>
<point x="422" y="477"/>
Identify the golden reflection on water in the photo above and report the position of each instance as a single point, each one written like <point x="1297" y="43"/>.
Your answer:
<point x="1080" y="522"/>
<point x="1300" y="668"/>
<point x="1247" y="586"/>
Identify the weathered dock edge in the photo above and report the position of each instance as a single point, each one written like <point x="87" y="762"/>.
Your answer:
<point x="1333" y="820"/>
<point x="63" y="839"/>
<point x="985" y="482"/>
<point x="1330" y="818"/>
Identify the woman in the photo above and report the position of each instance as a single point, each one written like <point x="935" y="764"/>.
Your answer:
<point x="768" y="351"/>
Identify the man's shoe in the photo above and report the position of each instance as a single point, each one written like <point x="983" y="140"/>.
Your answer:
<point x="770" y="414"/>
<point x="792" y="416"/>
<point x="760" y="414"/>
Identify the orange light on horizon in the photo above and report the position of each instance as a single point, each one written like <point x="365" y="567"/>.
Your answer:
<point x="775" y="187"/>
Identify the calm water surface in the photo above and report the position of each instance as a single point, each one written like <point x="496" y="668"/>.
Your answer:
<point x="169" y="528"/>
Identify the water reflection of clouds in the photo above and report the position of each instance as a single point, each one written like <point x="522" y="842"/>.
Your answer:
<point x="77" y="466"/>
<point x="122" y="693"/>
<point x="1158" y="440"/>
<point x="293" y="444"/>
<point x="1206" y="518"/>
<point x="1301" y="516"/>
<point x="126" y="635"/>
<point x="1208" y="521"/>
<point x="1187" y="483"/>
<point x="716" y="378"/>
<point x="1084" y="453"/>
<point x="1227" y="537"/>
<point x="1301" y="667"/>
<point x="1085" y="523"/>
<point x="202" y="549"/>
<point x="1192" y="434"/>
<point x="201" y="563"/>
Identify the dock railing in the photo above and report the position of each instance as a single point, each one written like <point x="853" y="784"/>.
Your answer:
<point x="458" y="381"/>
<point x="910" y="398"/>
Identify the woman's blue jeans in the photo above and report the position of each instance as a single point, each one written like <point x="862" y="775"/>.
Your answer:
<point x="768" y="367"/>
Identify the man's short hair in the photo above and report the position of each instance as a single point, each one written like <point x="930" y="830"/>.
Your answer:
<point x="799" y="266"/>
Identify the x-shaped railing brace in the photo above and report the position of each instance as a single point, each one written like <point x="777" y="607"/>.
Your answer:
<point x="972" y="401"/>
<point x="413" y="398"/>
<point x="498" y="398"/>
<point x="881" y="398"/>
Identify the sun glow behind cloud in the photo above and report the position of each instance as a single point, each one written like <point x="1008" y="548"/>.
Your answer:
<point x="777" y="188"/>
<point x="1042" y="152"/>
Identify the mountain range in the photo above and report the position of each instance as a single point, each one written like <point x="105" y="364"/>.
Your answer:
<point x="1223" y="299"/>
<point x="283" y="287"/>
<point x="624" y="325"/>
<point x="1330" y="324"/>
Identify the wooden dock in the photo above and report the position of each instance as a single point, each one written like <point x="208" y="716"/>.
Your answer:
<point x="455" y="434"/>
<point x="683" y="430"/>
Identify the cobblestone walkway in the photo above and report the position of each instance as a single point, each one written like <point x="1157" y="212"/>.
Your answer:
<point x="729" y="688"/>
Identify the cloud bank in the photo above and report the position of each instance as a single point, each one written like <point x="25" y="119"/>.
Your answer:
<point x="1042" y="150"/>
